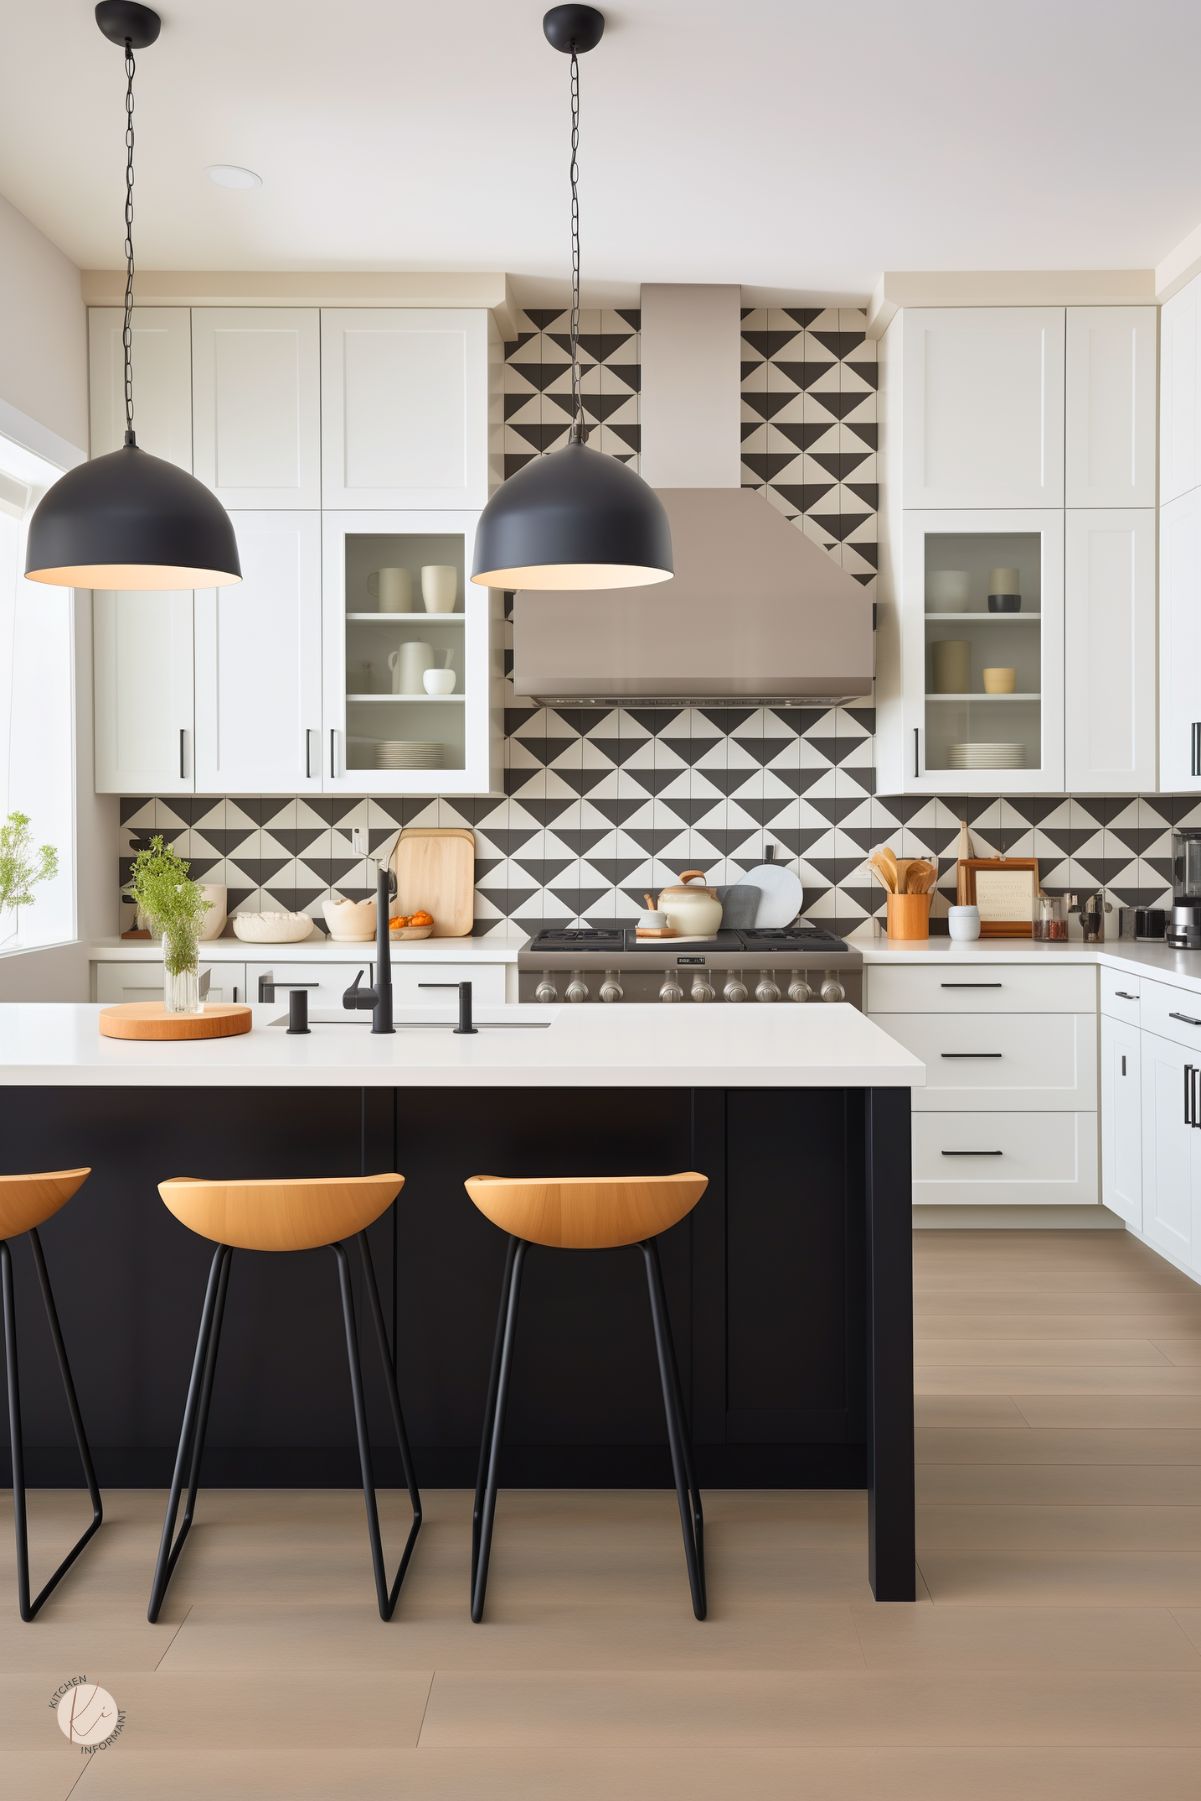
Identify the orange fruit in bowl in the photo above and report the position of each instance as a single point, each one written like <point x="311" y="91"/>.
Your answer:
<point x="421" y="918"/>
<point x="398" y="923"/>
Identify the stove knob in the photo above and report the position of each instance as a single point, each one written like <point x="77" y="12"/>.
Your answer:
<point x="671" y="990"/>
<point x="546" y="990"/>
<point x="577" y="988"/>
<point x="833" y="990"/>
<point x="799" y="989"/>
<point x="702" y="988"/>
<point x="611" y="989"/>
<point x="734" y="990"/>
<point x="766" y="990"/>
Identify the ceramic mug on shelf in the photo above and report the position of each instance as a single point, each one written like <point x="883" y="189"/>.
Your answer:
<point x="409" y="665"/>
<point x="391" y="590"/>
<point x="999" y="681"/>
<point x="439" y="587"/>
<point x="948" y="590"/>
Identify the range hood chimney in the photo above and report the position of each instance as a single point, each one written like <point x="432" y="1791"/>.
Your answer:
<point x="756" y="611"/>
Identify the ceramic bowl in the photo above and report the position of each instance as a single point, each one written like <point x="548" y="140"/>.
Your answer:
<point x="999" y="681"/>
<point x="350" y="922"/>
<point x="404" y="932"/>
<point x="439" y="681"/>
<point x="215" y="920"/>
<point x="272" y="928"/>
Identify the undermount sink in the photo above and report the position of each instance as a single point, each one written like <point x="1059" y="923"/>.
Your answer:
<point x="363" y="1018"/>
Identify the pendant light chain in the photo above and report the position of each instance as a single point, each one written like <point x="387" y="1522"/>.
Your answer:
<point x="127" y="327"/>
<point x="578" y="429"/>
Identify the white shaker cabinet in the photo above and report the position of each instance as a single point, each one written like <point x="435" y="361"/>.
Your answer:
<point x="1180" y="392"/>
<point x="142" y="651"/>
<point x="256" y="405"/>
<point x="1171" y="1150"/>
<point x="1109" y="450"/>
<point x="162" y="372"/>
<point x="1122" y="1120"/>
<point x="405" y="395"/>
<point x="1109" y="650"/>
<point x="982" y="397"/>
<point x="1180" y="644"/>
<point x="258" y="663"/>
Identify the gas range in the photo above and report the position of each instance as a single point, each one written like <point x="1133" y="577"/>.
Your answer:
<point x="798" y="963"/>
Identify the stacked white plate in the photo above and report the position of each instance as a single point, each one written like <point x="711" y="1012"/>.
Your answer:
<point x="408" y="753"/>
<point x="987" y="756"/>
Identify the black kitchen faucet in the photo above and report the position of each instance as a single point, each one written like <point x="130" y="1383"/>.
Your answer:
<point x="379" y="996"/>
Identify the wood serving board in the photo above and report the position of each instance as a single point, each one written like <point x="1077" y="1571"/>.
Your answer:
<point x="435" y="871"/>
<point x="150" y="1020"/>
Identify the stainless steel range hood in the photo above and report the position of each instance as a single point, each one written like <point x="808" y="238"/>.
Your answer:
<point x="756" y="611"/>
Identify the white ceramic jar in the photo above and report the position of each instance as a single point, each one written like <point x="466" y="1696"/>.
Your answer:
<point x="963" y="923"/>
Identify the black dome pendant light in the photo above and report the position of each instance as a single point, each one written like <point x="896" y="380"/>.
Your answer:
<point x="128" y="519"/>
<point x="576" y="518"/>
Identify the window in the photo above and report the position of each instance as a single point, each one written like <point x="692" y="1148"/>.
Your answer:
<point x="37" y="706"/>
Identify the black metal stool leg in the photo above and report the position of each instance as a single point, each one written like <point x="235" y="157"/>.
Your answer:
<point x="494" y="1429"/>
<point x="192" y="1431"/>
<point x="490" y="1404"/>
<point x="385" y="1596"/>
<point x="30" y="1607"/>
<point x="687" y="1493"/>
<point x="402" y="1437"/>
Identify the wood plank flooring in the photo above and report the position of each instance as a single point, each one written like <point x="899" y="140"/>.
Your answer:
<point x="1055" y="1652"/>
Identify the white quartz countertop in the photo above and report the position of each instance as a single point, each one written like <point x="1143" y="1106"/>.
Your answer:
<point x="641" y="1046"/>
<point x="497" y="947"/>
<point x="1156" y="961"/>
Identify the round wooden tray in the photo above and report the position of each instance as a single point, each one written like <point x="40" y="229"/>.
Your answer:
<point x="150" y="1020"/>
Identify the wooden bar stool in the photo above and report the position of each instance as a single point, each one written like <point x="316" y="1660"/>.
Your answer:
<point x="583" y="1213"/>
<point x="25" y="1203"/>
<point x="300" y="1215"/>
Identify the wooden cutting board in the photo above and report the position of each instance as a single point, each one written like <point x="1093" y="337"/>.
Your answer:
<point x="150" y="1020"/>
<point x="435" y="869"/>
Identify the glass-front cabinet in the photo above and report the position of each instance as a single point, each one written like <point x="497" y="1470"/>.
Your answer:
<point x="980" y="618"/>
<point x="412" y="656"/>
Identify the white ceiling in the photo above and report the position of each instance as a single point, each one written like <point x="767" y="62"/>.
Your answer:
<point x="794" y="146"/>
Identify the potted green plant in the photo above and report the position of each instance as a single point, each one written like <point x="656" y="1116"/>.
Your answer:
<point x="176" y="908"/>
<point x="22" y="866"/>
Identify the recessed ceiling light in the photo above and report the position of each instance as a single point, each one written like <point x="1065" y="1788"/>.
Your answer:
<point x="228" y="175"/>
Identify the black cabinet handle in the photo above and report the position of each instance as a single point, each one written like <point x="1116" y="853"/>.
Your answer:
<point x="183" y="753"/>
<point x="1123" y="1063"/>
<point x="971" y="1153"/>
<point x="969" y="1055"/>
<point x="1185" y="1019"/>
<point x="1121" y="994"/>
<point x="268" y="985"/>
<point x="971" y="984"/>
<point x="308" y="756"/>
<point x="1196" y="748"/>
<point x="1188" y="1095"/>
<point x="917" y="768"/>
<point x="333" y="751"/>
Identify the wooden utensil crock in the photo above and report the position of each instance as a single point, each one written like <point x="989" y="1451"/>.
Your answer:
<point x="908" y="915"/>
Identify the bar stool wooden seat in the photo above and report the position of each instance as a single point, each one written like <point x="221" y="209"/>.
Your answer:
<point x="26" y="1202"/>
<point x="584" y="1213"/>
<point x="303" y="1215"/>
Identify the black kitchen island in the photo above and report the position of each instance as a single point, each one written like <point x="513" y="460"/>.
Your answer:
<point x="789" y="1286"/>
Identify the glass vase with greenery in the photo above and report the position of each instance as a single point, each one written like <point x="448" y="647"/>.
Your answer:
<point x="176" y="908"/>
<point x="22" y="866"/>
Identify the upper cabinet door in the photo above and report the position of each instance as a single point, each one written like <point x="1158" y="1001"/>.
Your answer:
<point x="1110" y="413"/>
<point x="983" y="407"/>
<point x="1180" y="392"/>
<point x="142" y="673"/>
<point x="404" y="409"/>
<point x="162" y="380"/>
<point x="256" y="402"/>
<point x="258" y="663"/>
<point x="1180" y="644"/>
<point x="1109" y="652"/>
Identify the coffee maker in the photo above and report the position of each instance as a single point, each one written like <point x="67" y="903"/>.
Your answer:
<point x="1184" y="925"/>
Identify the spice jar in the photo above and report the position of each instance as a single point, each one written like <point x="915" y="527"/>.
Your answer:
<point x="1050" y="918"/>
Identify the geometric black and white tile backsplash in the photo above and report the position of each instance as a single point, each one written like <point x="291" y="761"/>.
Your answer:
<point x="601" y="804"/>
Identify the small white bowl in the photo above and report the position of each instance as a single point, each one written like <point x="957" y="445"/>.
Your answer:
<point x="272" y="928"/>
<point x="439" y="681"/>
<point x="350" y="922"/>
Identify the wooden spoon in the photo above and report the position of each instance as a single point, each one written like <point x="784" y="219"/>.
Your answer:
<point x="920" y="876"/>
<point x="884" y="862"/>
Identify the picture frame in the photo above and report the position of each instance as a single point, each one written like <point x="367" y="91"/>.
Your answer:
<point x="1003" y="889"/>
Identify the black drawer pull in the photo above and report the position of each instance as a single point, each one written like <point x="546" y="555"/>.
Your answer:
<point x="1123" y="1063"/>
<point x="1185" y="1019"/>
<point x="971" y="984"/>
<point x="971" y="1153"/>
<point x="268" y="985"/>
<point x="973" y="1055"/>
<point x="1189" y="1115"/>
<point x="1121" y="995"/>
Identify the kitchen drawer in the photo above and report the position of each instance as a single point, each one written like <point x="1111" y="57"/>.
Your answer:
<point x="130" y="980"/>
<point x="1173" y="1013"/>
<point x="1005" y="1159"/>
<point x="981" y="988"/>
<point x="327" y="982"/>
<point x="1120" y="995"/>
<point x="1014" y="1062"/>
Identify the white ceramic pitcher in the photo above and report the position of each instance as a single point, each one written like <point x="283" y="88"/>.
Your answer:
<point x="408" y="666"/>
